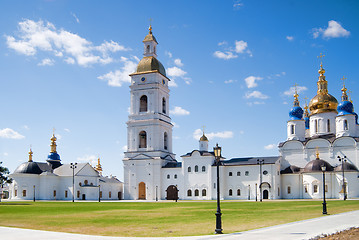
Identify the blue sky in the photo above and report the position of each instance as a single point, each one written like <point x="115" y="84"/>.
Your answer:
<point x="233" y="65"/>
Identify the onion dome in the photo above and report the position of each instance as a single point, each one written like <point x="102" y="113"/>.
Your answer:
<point x="347" y="167"/>
<point x="316" y="165"/>
<point x="296" y="113"/>
<point x="345" y="107"/>
<point x="150" y="64"/>
<point x="323" y="101"/>
<point x="203" y="138"/>
<point x="29" y="168"/>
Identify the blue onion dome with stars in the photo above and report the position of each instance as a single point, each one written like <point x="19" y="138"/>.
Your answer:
<point x="346" y="106"/>
<point x="54" y="157"/>
<point x="296" y="113"/>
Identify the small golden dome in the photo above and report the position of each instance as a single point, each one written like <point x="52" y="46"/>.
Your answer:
<point x="149" y="37"/>
<point x="150" y="64"/>
<point x="203" y="138"/>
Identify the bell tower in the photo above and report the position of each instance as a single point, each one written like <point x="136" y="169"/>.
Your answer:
<point x="149" y="127"/>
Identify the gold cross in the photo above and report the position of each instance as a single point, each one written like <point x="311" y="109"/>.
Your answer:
<point x="343" y="79"/>
<point x="321" y="58"/>
<point x="203" y="128"/>
<point x="53" y="130"/>
<point x="305" y="98"/>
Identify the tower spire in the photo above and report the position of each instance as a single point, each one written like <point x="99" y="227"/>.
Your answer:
<point x="322" y="83"/>
<point x="296" y="101"/>
<point x="53" y="144"/>
<point x="306" y="113"/>
<point x="98" y="166"/>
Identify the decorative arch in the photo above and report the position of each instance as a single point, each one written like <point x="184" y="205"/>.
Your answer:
<point x="143" y="103"/>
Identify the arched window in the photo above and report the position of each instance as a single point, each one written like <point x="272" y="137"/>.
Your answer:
<point x="315" y="188"/>
<point x="164" y="105"/>
<point x="189" y="169"/>
<point x="345" y="124"/>
<point x="230" y="192"/>
<point x="238" y="174"/>
<point x="196" y="168"/>
<point x="175" y="176"/>
<point x="196" y="193"/>
<point x="316" y="126"/>
<point x="289" y="190"/>
<point x="238" y="192"/>
<point x="165" y="141"/>
<point x="189" y="192"/>
<point x="291" y="129"/>
<point x="230" y="174"/>
<point x="24" y="193"/>
<point x="168" y="176"/>
<point x="148" y="48"/>
<point x="203" y="168"/>
<point x="328" y="125"/>
<point x="143" y="139"/>
<point x="86" y="182"/>
<point x="143" y="103"/>
<point x="204" y="192"/>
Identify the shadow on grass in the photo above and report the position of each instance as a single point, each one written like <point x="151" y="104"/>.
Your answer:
<point x="8" y="203"/>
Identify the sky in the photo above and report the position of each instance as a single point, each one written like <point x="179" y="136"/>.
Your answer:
<point x="233" y="66"/>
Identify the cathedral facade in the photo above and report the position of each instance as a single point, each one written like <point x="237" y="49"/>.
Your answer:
<point x="324" y="139"/>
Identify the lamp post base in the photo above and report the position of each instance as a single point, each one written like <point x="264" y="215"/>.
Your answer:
<point x="218" y="223"/>
<point x="218" y="231"/>
<point x="324" y="208"/>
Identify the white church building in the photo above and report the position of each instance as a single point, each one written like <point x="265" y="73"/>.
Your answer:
<point x="322" y="137"/>
<point x="52" y="180"/>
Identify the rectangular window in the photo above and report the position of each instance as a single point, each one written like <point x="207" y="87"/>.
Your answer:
<point x="315" y="188"/>
<point x="328" y="124"/>
<point x="288" y="190"/>
<point x="24" y="193"/>
<point x="305" y="189"/>
<point x="65" y="194"/>
<point x="246" y="173"/>
<point x="109" y="194"/>
<point x="78" y="194"/>
<point x="15" y="193"/>
<point x="238" y="174"/>
<point x="214" y="185"/>
<point x="326" y="188"/>
<point x="54" y="193"/>
<point x="230" y="174"/>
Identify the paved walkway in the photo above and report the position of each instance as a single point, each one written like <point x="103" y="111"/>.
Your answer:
<point x="297" y="230"/>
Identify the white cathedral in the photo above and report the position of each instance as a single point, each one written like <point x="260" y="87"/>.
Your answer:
<point x="326" y="138"/>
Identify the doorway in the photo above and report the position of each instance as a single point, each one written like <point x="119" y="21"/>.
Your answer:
<point x="83" y="196"/>
<point x="172" y="193"/>
<point x="265" y="194"/>
<point x="142" y="191"/>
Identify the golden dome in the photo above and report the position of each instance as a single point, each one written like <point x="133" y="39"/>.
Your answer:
<point x="323" y="101"/>
<point x="203" y="138"/>
<point x="149" y="37"/>
<point x="150" y="64"/>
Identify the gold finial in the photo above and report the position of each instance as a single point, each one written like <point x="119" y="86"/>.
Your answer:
<point x="321" y="59"/>
<point x="150" y="28"/>
<point x="317" y="152"/>
<point x="30" y="154"/>
<point x="53" y="143"/>
<point x="344" y="90"/>
<point x="306" y="113"/>
<point x="98" y="166"/>
<point x="296" y="101"/>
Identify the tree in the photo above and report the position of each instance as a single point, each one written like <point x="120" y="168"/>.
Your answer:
<point x="4" y="171"/>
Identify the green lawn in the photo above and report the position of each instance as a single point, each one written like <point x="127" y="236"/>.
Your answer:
<point x="158" y="219"/>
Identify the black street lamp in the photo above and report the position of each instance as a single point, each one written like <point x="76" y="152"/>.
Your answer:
<point x="260" y="162"/>
<point x="99" y="192"/>
<point x="34" y="193"/>
<point x="73" y="166"/>
<point x="217" y="154"/>
<point x="156" y="193"/>
<point x="342" y="160"/>
<point x="324" y="202"/>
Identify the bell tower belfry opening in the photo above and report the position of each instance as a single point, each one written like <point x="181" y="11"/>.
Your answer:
<point x="149" y="127"/>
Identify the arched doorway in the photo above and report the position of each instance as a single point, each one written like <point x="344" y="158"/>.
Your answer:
<point x="142" y="191"/>
<point x="265" y="194"/>
<point x="172" y="192"/>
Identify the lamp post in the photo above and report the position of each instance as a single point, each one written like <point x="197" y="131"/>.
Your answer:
<point x="156" y="194"/>
<point x="217" y="154"/>
<point x="260" y="162"/>
<point x="73" y="166"/>
<point x="342" y="160"/>
<point x="324" y="202"/>
<point x="256" y="193"/>
<point x="34" y="193"/>
<point x="99" y="191"/>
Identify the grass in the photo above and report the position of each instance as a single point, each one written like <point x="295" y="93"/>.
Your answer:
<point x="158" y="219"/>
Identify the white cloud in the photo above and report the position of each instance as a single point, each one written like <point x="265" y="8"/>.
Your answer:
<point x="225" y="134"/>
<point x="269" y="146"/>
<point x="40" y="36"/>
<point x="26" y="127"/>
<point x="172" y="83"/>
<point x="222" y="43"/>
<point x="76" y="18"/>
<point x="169" y="54"/>
<point x="67" y="130"/>
<point x="289" y="38"/>
<point x="237" y="5"/>
<point x="291" y="90"/>
<point x="46" y="62"/>
<point x="6" y="154"/>
<point x="124" y="148"/>
<point x="92" y="159"/>
<point x="334" y="30"/>
<point x="175" y="72"/>
<point x="229" y="81"/>
<point x="178" y="62"/>
<point x="179" y="111"/>
<point x="240" y="46"/>
<point x="9" y="133"/>
<point x="118" y="77"/>
<point x="251" y="81"/>
<point x="225" y="56"/>
<point x="256" y="94"/>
